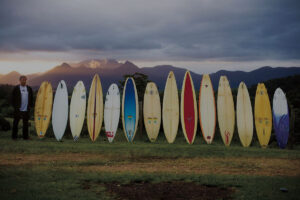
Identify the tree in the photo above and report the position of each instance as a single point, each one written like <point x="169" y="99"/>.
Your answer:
<point x="140" y="80"/>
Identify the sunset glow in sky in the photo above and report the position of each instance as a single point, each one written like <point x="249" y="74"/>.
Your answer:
<point x="203" y="36"/>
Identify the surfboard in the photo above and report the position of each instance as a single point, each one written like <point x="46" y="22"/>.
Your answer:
<point x="130" y="109"/>
<point x="170" y="110"/>
<point x="152" y="111"/>
<point x="188" y="109"/>
<point x="60" y="110"/>
<point x="112" y="111"/>
<point x="43" y="108"/>
<point x="281" y="118"/>
<point x="207" y="109"/>
<point x="262" y="115"/>
<point x="244" y="115"/>
<point x="94" y="114"/>
<point x="77" y="109"/>
<point x="225" y="106"/>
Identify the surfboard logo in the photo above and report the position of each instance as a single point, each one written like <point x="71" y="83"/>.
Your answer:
<point x="109" y="134"/>
<point x="227" y="135"/>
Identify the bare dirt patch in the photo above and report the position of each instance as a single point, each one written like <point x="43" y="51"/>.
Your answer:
<point x="174" y="190"/>
<point x="168" y="190"/>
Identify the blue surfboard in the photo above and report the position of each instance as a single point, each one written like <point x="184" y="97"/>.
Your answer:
<point x="281" y="118"/>
<point x="130" y="109"/>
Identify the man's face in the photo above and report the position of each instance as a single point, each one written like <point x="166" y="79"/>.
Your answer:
<point x="23" y="81"/>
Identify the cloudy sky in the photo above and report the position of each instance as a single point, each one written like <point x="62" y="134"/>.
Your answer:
<point x="201" y="35"/>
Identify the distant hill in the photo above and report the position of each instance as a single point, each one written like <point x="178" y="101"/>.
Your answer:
<point x="111" y="71"/>
<point x="12" y="78"/>
<point x="253" y="77"/>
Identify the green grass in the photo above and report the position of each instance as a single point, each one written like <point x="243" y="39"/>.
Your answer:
<point x="140" y="147"/>
<point x="43" y="182"/>
<point x="64" y="180"/>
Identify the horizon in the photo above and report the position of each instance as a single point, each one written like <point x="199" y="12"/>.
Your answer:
<point x="27" y="71"/>
<point x="201" y="36"/>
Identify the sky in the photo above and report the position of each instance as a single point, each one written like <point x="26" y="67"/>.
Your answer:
<point x="201" y="35"/>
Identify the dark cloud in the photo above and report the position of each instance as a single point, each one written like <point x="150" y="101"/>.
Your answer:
<point x="230" y="30"/>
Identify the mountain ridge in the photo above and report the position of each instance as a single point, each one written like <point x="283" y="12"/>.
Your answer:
<point x="158" y="74"/>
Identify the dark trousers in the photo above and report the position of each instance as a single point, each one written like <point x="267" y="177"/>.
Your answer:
<point x="25" y="117"/>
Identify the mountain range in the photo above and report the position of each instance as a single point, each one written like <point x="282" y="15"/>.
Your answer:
<point x="111" y="71"/>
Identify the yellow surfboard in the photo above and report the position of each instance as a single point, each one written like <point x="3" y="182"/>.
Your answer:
<point x="244" y="116"/>
<point x="152" y="111"/>
<point x="262" y="115"/>
<point x="226" y="114"/>
<point x="43" y="108"/>
<point x="95" y="108"/>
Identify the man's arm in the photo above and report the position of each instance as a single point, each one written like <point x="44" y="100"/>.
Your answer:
<point x="14" y="97"/>
<point x="30" y="97"/>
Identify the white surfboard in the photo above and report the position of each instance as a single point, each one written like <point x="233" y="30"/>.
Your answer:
<point x="77" y="109"/>
<point x="281" y="118"/>
<point x="112" y="111"/>
<point x="280" y="105"/>
<point x="244" y="115"/>
<point x="207" y="109"/>
<point x="60" y="110"/>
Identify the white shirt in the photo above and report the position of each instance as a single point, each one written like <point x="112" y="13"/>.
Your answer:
<point x="24" y="98"/>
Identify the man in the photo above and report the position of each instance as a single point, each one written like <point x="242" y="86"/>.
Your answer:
<point x="22" y="101"/>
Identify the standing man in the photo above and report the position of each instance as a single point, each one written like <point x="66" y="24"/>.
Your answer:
<point x="22" y="101"/>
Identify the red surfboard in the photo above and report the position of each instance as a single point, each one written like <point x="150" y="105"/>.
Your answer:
<point x="188" y="109"/>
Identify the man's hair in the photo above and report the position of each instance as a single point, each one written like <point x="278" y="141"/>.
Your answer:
<point x="23" y="76"/>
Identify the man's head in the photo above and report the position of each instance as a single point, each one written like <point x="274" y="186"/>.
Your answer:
<point x="23" y="80"/>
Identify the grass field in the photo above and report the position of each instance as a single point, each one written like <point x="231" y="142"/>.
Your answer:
<point x="47" y="169"/>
